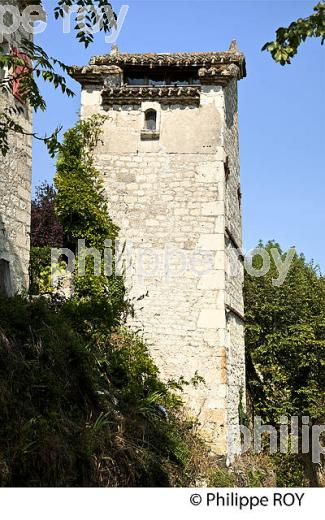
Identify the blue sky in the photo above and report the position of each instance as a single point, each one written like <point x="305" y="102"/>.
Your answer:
<point x="281" y="109"/>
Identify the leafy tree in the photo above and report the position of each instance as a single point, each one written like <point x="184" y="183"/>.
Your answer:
<point x="46" y="232"/>
<point x="289" y="39"/>
<point x="285" y="349"/>
<point x="46" y="229"/>
<point x="77" y="209"/>
<point x="33" y="63"/>
<point x="285" y="341"/>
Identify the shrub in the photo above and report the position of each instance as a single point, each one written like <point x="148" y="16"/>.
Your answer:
<point x="248" y="470"/>
<point x="82" y="406"/>
<point x="39" y="269"/>
<point x="290" y="470"/>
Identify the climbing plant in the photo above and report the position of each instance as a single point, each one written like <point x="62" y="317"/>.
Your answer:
<point x="80" y="202"/>
<point x="82" y="208"/>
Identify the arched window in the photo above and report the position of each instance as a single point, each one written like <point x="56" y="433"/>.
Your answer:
<point x="151" y="120"/>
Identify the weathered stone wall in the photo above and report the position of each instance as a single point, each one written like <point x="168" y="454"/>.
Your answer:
<point x="15" y="190"/>
<point x="170" y="199"/>
<point x="234" y="269"/>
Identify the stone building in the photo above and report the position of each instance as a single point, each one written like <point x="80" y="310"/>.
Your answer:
<point x="170" y="162"/>
<point x="15" y="175"/>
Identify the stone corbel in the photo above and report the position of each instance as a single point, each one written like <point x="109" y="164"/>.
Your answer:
<point x="219" y="74"/>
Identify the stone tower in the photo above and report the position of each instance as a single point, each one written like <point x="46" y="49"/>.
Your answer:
<point x="170" y="162"/>
<point x="15" y="169"/>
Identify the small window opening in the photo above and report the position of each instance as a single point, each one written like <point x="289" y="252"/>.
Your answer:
<point x="151" y="120"/>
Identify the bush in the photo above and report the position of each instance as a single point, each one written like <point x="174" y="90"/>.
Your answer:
<point x="248" y="470"/>
<point x="81" y="406"/>
<point x="290" y="470"/>
<point x="39" y="269"/>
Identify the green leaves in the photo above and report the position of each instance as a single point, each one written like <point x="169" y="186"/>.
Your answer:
<point x="285" y="342"/>
<point x="288" y="39"/>
<point x="83" y="212"/>
<point x="80" y="409"/>
<point x="36" y="64"/>
<point x="91" y="16"/>
<point x="77" y="180"/>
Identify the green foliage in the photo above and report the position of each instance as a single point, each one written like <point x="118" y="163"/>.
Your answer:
<point x="221" y="477"/>
<point x="242" y="415"/>
<point x="96" y="11"/>
<point x="80" y="202"/>
<point x="255" y="477"/>
<point x="247" y="470"/>
<point x="285" y="353"/>
<point x="42" y="272"/>
<point x="131" y="369"/>
<point x="81" y="207"/>
<point x="39" y="264"/>
<point x="81" y="406"/>
<point x="285" y="341"/>
<point x="38" y="65"/>
<point x="83" y="212"/>
<point x="289" y="470"/>
<point x="288" y="39"/>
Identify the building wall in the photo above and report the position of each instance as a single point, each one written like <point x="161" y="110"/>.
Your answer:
<point x="15" y="192"/>
<point x="169" y="198"/>
<point x="234" y="271"/>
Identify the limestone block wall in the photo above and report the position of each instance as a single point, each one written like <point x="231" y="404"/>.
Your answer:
<point x="234" y="271"/>
<point x="169" y="197"/>
<point x="15" y="195"/>
<point x="15" y="189"/>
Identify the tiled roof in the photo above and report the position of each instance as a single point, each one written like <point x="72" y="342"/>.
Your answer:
<point x="210" y="67"/>
<point x="184" y="59"/>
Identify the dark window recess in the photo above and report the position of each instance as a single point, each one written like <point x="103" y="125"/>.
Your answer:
<point x="156" y="81"/>
<point x="151" y="120"/>
<point x="160" y="78"/>
<point x="183" y="79"/>
<point x="5" y="281"/>
<point x="135" y="80"/>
